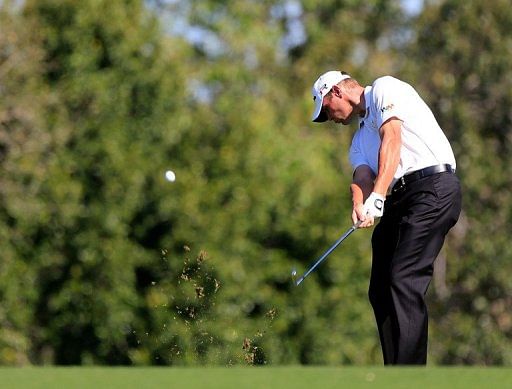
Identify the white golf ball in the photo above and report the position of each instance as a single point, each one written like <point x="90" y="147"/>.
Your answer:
<point x="170" y="176"/>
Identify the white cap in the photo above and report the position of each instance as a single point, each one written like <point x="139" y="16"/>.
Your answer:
<point x="321" y="87"/>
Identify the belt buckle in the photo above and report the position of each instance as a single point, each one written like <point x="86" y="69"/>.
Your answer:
<point x="400" y="184"/>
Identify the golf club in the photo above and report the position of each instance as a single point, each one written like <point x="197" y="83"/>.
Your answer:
<point x="324" y="255"/>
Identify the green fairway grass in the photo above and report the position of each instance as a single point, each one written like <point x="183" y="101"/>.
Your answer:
<point x="257" y="377"/>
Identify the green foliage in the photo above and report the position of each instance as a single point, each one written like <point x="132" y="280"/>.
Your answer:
<point x="469" y="75"/>
<point x="105" y="262"/>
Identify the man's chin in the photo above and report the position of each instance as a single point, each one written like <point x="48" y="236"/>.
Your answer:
<point x="342" y="121"/>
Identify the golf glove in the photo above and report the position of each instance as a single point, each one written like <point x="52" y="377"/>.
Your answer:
<point x="374" y="205"/>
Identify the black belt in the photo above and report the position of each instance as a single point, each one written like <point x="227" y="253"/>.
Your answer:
<point x="409" y="178"/>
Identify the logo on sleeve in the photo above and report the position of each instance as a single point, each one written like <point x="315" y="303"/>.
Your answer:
<point x="387" y="108"/>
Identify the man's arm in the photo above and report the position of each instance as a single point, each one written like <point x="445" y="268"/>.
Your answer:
<point x="389" y="154"/>
<point x="389" y="158"/>
<point x="361" y="187"/>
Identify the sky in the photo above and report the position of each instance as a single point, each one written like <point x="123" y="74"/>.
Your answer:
<point x="412" y="7"/>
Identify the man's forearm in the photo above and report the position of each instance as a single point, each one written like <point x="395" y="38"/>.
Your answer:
<point x="360" y="191"/>
<point x="362" y="184"/>
<point x="389" y="155"/>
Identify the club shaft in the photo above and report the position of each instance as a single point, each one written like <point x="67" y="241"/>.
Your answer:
<point x="329" y="250"/>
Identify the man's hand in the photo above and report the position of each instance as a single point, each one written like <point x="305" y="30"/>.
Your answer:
<point x="367" y="212"/>
<point x="361" y="187"/>
<point x="374" y="205"/>
<point x="359" y="215"/>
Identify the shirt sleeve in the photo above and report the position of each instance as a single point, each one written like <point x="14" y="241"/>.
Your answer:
<point x="387" y="99"/>
<point x="356" y="156"/>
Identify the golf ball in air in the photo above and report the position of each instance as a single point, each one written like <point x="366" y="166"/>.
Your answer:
<point x="170" y="176"/>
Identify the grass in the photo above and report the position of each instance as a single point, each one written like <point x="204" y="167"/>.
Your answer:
<point x="254" y="377"/>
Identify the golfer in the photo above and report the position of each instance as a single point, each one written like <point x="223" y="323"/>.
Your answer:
<point x="404" y="173"/>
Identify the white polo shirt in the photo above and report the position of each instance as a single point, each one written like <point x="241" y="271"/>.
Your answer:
<point x="423" y="141"/>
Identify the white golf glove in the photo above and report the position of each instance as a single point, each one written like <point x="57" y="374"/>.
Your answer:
<point x="374" y="205"/>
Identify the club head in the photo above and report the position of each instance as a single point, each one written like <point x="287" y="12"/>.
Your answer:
<point x="294" y="275"/>
<point x="294" y="278"/>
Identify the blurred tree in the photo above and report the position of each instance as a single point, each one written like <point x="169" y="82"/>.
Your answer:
<point x="112" y="81"/>
<point x="267" y="190"/>
<point x="30" y="131"/>
<point x="463" y="63"/>
<point x="99" y="98"/>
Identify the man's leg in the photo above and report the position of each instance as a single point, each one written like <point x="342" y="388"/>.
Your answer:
<point x="384" y="240"/>
<point x="432" y="209"/>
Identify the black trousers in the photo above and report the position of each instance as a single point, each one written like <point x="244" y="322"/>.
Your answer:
<point x="405" y="245"/>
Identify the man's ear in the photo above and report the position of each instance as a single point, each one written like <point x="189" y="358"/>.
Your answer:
<point x="336" y="90"/>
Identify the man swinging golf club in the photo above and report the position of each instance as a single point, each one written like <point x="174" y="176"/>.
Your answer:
<point x="404" y="173"/>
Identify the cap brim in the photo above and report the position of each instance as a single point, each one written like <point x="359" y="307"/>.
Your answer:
<point x="322" y="117"/>
<point x="319" y="115"/>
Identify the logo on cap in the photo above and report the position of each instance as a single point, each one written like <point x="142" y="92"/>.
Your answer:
<point x="321" y="91"/>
